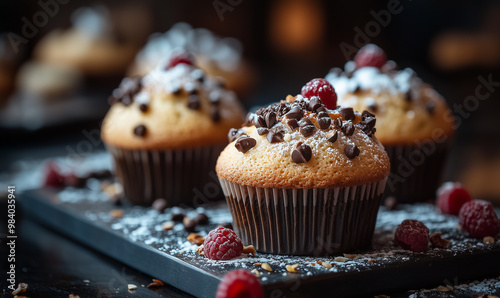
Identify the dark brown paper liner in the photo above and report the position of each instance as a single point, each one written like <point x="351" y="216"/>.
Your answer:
<point x="304" y="221"/>
<point x="182" y="177"/>
<point x="412" y="178"/>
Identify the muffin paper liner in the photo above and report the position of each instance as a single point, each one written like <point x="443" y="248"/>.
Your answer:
<point x="412" y="178"/>
<point x="182" y="177"/>
<point x="319" y="221"/>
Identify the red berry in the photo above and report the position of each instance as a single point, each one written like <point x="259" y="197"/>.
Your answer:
<point x="450" y="197"/>
<point x="412" y="235"/>
<point x="323" y="89"/>
<point x="239" y="283"/>
<point x="52" y="175"/>
<point x="478" y="218"/>
<point x="222" y="244"/>
<point x="179" y="57"/>
<point x="370" y="55"/>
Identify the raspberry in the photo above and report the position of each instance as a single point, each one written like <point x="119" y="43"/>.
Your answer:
<point x="179" y="57"/>
<point x="370" y="55"/>
<point x="478" y="218"/>
<point x="450" y="197"/>
<point x="323" y="89"/>
<point x="52" y="175"/>
<point x="239" y="283"/>
<point x="412" y="235"/>
<point x="222" y="244"/>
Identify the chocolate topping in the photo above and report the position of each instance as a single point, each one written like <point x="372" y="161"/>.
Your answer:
<point x="314" y="103"/>
<point x="302" y="153"/>
<point x="305" y="122"/>
<point x="337" y="122"/>
<point x="308" y="130"/>
<point x="294" y="113"/>
<point x="245" y="143"/>
<point x="333" y="137"/>
<point x="348" y="128"/>
<point x="194" y="102"/>
<point x="323" y="115"/>
<point x="351" y="151"/>
<point x="324" y="122"/>
<point x="271" y="119"/>
<point x="143" y="107"/>
<point x="275" y="136"/>
<point x="140" y="130"/>
<point x="367" y="124"/>
<point x="214" y="113"/>
<point x="234" y="134"/>
<point x="293" y="124"/>
<point x="248" y="120"/>
<point x="259" y="121"/>
<point x="348" y="113"/>
<point x="201" y="219"/>
<point x="262" y="131"/>
<point x="125" y="93"/>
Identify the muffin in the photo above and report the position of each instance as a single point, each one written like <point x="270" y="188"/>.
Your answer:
<point x="219" y="57"/>
<point x="414" y="122"/>
<point x="302" y="178"/>
<point x="91" y="45"/>
<point x="165" y="131"/>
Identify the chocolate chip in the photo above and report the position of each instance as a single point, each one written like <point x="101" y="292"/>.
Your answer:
<point x="194" y="102"/>
<point x="226" y="225"/>
<point x="233" y="134"/>
<point x="214" y="113"/>
<point x="305" y="122"/>
<point x="334" y="137"/>
<point x="245" y="143"/>
<point x="140" y="130"/>
<point x="368" y="124"/>
<point x="262" y="131"/>
<point x="348" y="128"/>
<point x="221" y="82"/>
<point x="324" y="115"/>
<point x="160" y="205"/>
<point x="357" y="89"/>
<point x="302" y="153"/>
<point x="248" y="120"/>
<point x="314" y="103"/>
<point x="125" y="93"/>
<point x="259" y="121"/>
<point x="178" y="215"/>
<point x="430" y="107"/>
<point x="214" y="97"/>
<point x="294" y="113"/>
<point x="116" y="199"/>
<point x="408" y="95"/>
<point x="176" y="90"/>
<point x="348" y="113"/>
<point x="373" y="107"/>
<point x="293" y="124"/>
<point x="271" y="119"/>
<point x="337" y="122"/>
<point x="321" y="109"/>
<point x="308" y="130"/>
<point x="366" y="114"/>
<point x="439" y="242"/>
<point x="275" y="136"/>
<point x="143" y="107"/>
<point x="201" y="219"/>
<point x="189" y="224"/>
<point x="324" y="122"/>
<point x="391" y="203"/>
<point x="351" y="151"/>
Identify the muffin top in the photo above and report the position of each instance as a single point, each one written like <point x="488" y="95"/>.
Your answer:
<point x="407" y="109"/>
<point x="174" y="106"/>
<point x="300" y="143"/>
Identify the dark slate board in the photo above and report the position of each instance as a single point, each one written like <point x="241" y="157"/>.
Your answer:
<point x="138" y="241"/>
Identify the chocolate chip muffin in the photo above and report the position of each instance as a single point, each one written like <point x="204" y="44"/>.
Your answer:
<point x="165" y="131"/>
<point x="303" y="178"/>
<point x="414" y="122"/>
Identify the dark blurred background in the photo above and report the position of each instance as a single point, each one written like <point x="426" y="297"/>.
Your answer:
<point x="288" y="42"/>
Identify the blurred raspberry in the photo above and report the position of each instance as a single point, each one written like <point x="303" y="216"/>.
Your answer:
<point x="478" y="218"/>
<point x="450" y="197"/>
<point x="53" y="176"/>
<point x="412" y="235"/>
<point x="370" y="55"/>
<point x="222" y="244"/>
<point x="322" y="89"/>
<point x="239" y="283"/>
<point x="179" y="57"/>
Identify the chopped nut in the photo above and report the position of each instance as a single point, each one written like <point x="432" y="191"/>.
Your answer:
<point x="313" y="264"/>
<point x="256" y="272"/>
<point x="488" y="240"/>
<point x="249" y="249"/>
<point x="200" y="250"/>
<point x="258" y="264"/>
<point x="168" y="226"/>
<point x="158" y="282"/>
<point x="439" y="242"/>
<point x="153" y="285"/>
<point x="116" y="213"/>
<point x="112" y="189"/>
<point x="371" y="261"/>
<point x="266" y="267"/>
<point x="340" y="259"/>
<point x="350" y="256"/>
<point x="288" y="137"/>
<point x="319" y="262"/>
<point x="196" y="239"/>
<point x="73" y="296"/>
<point x="327" y="265"/>
<point x="292" y="268"/>
<point x="132" y="287"/>
<point x="443" y="289"/>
